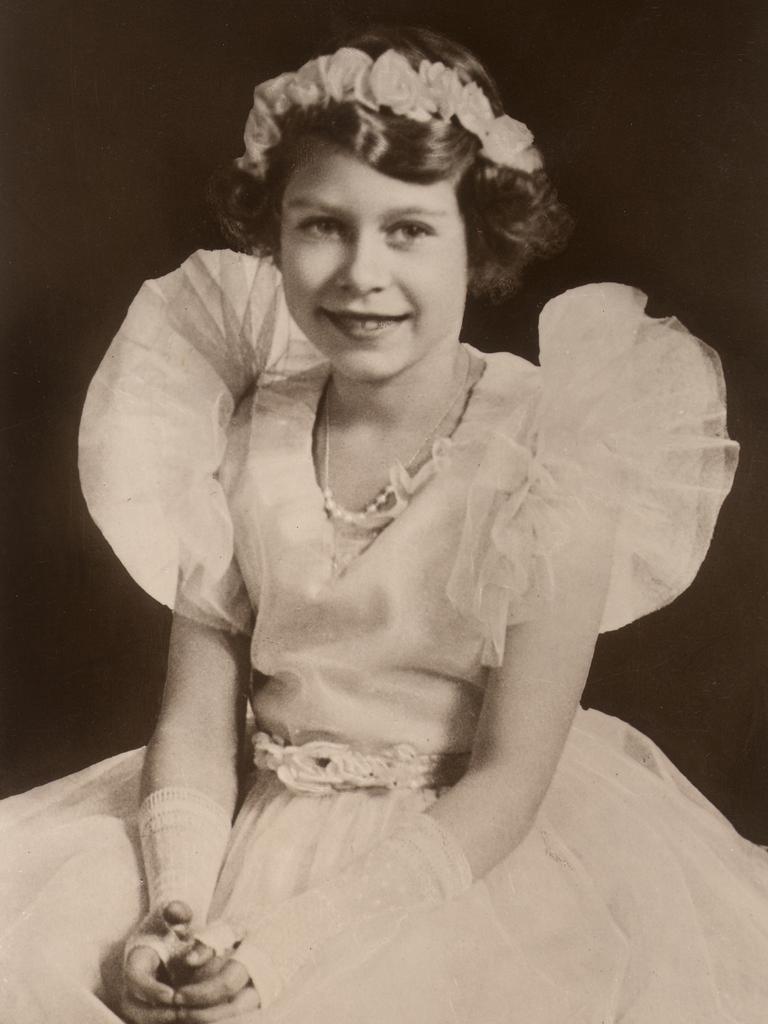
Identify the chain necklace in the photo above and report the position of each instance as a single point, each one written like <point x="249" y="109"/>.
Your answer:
<point x="387" y="493"/>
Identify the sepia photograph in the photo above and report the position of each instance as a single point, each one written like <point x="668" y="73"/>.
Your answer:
<point x="385" y="521"/>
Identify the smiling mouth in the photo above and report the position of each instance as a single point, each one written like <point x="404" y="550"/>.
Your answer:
<point x="363" y="324"/>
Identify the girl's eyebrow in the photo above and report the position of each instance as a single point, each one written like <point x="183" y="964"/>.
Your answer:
<point x="307" y="202"/>
<point x="416" y="211"/>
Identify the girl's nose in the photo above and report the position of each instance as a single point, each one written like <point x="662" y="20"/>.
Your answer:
<point x="365" y="267"/>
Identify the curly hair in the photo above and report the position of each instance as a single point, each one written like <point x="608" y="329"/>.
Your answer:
<point x="512" y="217"/>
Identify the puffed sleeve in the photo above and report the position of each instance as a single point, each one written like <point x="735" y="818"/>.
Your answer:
<point x="154" y="426"/>
<point x="630" y="414"/>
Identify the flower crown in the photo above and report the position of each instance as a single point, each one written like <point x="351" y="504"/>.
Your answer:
<point x="350" y="75"/>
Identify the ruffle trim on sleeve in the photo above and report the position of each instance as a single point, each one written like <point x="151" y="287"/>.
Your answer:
<point x="631" y="416"/>
<point x="154" y="427"/>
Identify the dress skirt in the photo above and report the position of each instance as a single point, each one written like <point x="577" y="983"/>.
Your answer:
<point x="632" y="900"/>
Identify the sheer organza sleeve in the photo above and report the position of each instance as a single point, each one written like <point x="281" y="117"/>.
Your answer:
<point x="154" y="427"/>
<point x="630" y="414"/>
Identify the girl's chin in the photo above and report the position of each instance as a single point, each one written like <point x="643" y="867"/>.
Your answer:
<point x="367" y="367"/>
<point x="366" y="361"/>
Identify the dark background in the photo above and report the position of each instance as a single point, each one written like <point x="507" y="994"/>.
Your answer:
<point x="651" y="116"/>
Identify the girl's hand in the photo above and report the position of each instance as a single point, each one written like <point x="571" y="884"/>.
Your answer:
<point x="218" y="988"/>
<point x="153" y="955"/>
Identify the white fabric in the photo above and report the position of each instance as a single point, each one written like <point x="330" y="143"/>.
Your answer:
<point x="631" y="414"/>
<point x="394" y="648"/>
<point x="321" y="767"/>
<point x="632" y="901"/>
<point x="627" y="404"/>
<point x="153" y="430"/>
<point x="419" y="863"/>
<point x="183" y="838"/>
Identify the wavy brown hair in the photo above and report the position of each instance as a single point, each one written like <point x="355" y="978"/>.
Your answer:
<point x="512" y="217"/>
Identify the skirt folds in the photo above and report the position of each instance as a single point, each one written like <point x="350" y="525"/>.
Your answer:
<point x="632" y="900"/>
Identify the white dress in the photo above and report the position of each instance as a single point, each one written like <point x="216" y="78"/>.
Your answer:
<point x="632" y="899"/>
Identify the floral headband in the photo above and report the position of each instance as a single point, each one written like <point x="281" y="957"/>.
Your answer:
<point x="349" y="75"/>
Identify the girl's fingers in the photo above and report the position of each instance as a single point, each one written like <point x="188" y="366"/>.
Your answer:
<point x="200" y="955"/>
<point x="138" y="1012"/>
<point x="243" y="1008"/>
<point x="177" y="917"/>
<point x="177" y="912"/>
<point x="223" y="987"/>
<point x="205" y="971"/>
<point x="140" y="977"/>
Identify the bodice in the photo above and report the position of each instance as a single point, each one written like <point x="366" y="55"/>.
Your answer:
<point x="376" y="653"/>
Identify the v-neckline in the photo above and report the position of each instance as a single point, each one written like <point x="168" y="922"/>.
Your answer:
<point x="289" y="465"/>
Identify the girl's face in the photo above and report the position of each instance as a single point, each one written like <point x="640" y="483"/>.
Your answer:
<point x="375" y="269"/>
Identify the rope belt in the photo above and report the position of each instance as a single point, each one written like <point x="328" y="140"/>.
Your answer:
<point x="321" y="766"/>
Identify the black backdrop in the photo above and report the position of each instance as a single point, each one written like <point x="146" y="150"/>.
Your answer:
<point x="650" y="116"/>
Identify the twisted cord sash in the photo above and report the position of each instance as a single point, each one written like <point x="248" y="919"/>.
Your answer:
<point x="321" y="767"/>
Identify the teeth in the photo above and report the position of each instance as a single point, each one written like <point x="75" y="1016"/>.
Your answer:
<point x="352" y="321"/>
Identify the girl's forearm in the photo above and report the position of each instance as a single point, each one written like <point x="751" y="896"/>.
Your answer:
<point x="485" y="818"/>
<point x="529" y="705"/>
<point x="189" y="782"/>
<point x="179" y="758"/>
<point x="196" y="741"/>
<point x="185" y="818"/>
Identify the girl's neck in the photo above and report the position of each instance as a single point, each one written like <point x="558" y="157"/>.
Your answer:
<point x="410" y="398"/>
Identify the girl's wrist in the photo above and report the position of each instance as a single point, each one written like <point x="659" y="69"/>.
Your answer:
<point x="184" y="834"/>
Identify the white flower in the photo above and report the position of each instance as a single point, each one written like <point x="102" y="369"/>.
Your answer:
<point x="529" y="160"/>
<point x="261" y="132"/>
<point x="474" y="110"/>
<point x="389" y="81"/>
<point x="273" y="93"/>
<point x="306" y="87"/>
<point x="444" y="87"/>
<point x="346" y="75"/>
<point x="395" y="84"/>
<point x="506" y="140"/>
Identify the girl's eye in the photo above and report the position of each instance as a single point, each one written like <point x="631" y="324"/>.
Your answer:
<point x="321" y="227"/>
<point x="410" y="231"/>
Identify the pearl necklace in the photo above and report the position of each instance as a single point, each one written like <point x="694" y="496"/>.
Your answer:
<point x="386" y="495"/>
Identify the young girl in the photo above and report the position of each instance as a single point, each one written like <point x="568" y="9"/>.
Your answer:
<point x="402" y="551"/>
